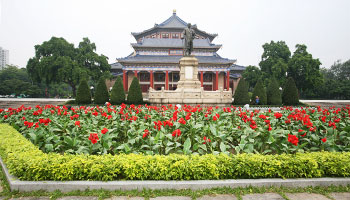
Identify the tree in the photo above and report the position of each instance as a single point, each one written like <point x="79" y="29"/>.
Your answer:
<point x="273" y="93"/>
<point x="135" y="93"/>
<point x="15" y="80"/>
<point x="259" y="91"/>
<point x="58" y="61"/>
<point x="241" y="96"/>
<point x="117" y="93"/>
<point x="290" y="93"/>
<point x="274" y="60"/>
<point x="101" y="94"/>
<point x="251" y="74"/>
<point x="83" y="94"/>
<point x="304" y="69"/>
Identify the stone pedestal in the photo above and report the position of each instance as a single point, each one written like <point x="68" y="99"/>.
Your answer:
<point x="189" y="74"/>
<point x="189" y="90"/>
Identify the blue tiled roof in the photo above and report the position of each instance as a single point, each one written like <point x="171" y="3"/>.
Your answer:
<point x="173" y="59"/>
<point x="176" y="43"/>
<point x="237" y="67"/>
<point x="172" y="22"/>
<point x="116" y="66"/>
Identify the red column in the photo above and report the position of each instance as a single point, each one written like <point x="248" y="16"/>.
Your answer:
<point x="166" y="80"/>
<point x="227" y="80"/>
<point x="202" y="78"/>
<point x="135" y="73"/>
<point x="151" y="79"/>
<point x="125" y="80"/>
<point x="217" y="80"/>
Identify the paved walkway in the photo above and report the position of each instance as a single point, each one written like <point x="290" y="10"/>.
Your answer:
<point x="264" y="196"/>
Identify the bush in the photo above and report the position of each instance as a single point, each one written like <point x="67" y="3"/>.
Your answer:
<point x="273" y="93"/>
<point x="83" y="93"/>
<point x="135" y="93"/>
<point x="118" y="94"/>
<point x="259" y="90"/>
<point x="290" y="93"/>
<point x="27" y="162"/>
<point x="241" y="96"/>
<point x="101" y="94"/>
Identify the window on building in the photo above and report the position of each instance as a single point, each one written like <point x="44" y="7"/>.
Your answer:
<point x="165" y="35"/>
<point x="175" y="35"/>
<point x="154" y="36"/>
<point x="159" y="77"/>
<point x="174" y="77"/>
<point x="144" y="77"/>
<point x="175" y="52"/>
<point x="207" y="77"/>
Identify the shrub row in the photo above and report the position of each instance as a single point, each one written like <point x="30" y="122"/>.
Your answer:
<point x="27" y="162"/>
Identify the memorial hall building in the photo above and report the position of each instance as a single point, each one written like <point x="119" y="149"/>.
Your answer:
<point x="156" y="55"/>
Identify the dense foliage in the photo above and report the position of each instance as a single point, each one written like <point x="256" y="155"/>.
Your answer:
<point x="83" y="94"/>
<point x="290" y="93"/>
<point x="259" y="91"/>
<point x="135" y="93"/>
<point x="101" y="94"/>
<point x="27" y="162"/>
<point x="241" y="96"/>
<point x="16" y="81"/>
<point x="273" y="93"/>
<point x="189" y="130"/>
<point x="117" y="93"/>
<point x="251" y="74"/>
<point x="57" y="61"/>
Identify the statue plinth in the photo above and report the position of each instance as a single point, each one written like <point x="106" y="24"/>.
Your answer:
<point x="188" y="74"/>
<point x="189" y="90"/>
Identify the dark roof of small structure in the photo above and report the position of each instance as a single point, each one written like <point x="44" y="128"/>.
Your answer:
<point x="173" y="59"/>
<point x="173" y="22"/>
<point x="116" y="66"/>
<point x="174" y="43"/>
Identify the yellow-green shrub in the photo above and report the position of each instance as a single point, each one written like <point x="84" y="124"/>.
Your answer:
<point x="27" y="162"/>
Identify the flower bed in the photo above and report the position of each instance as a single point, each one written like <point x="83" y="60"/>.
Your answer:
<point x="27" y="162"/>
<point x="190" y="130"/>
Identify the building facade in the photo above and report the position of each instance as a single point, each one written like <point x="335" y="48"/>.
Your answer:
<point x="157" y="51"/>
<point x="4" y="58"/>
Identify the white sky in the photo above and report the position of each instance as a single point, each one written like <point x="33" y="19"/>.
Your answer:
<point x="243" y="25"/>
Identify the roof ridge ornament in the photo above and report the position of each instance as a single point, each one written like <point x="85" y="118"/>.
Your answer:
<point x="174" y="11"/>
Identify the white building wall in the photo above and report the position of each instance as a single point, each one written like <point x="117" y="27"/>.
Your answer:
<point x="4" y="58"/>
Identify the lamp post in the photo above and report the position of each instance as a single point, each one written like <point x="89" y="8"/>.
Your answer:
<point x="92" y="90"/>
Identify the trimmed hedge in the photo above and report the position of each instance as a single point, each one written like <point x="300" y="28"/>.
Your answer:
<point x="290" y="93"/>
<point x="101" y="94"/>
<point x="117" y="93"/>
<point x="83" y="93"/>
<point x="135" y="93"/>
<point x="241" y="96"/>
<point x="273" y="93"/>
<point x="27" y="162"/>
<point x="259" y="90"/>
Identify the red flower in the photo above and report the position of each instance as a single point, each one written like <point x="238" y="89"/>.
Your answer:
<point x="146" y="133"/>
<point x="104" y="130"/>
<point x="77" y="123"/>
<point x="5" y="116"/>
<point x="270" y="128"/>
<point x="188" y="116"/>
<point x="293" y="139"/>
<point x="215" y="118"/>
<point x="93" y="138"/>
<point x="278" y="115"/>
<point x="267" y="121"/>
<point x="95" y="113"/>
<point x="262" y="116"/>
<point x="182" y="121"/>
<point x="109" y="117"/>
<point x="206" y="140"/>
<point x="324" y="140"/>
<point x="176" y="133"/>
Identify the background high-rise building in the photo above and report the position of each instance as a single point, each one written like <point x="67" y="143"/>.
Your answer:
<point x="4" y="58"/>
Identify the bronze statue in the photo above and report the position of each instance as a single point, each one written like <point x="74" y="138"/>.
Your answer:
<point x="188" y="35"/>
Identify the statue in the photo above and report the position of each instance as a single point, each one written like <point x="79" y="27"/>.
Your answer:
<point x="188" y="35"/>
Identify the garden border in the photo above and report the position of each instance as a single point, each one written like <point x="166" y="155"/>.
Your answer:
<point x="67" y="186"/>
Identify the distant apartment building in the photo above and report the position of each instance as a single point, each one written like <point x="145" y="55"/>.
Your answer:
<point x="4" y="58"/>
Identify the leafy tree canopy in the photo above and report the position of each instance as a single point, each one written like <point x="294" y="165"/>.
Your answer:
<point x="251" y="74"/>
<point x="304" y="69"/>
<point x="58" y="61"/>
<point x="274" y="60"/>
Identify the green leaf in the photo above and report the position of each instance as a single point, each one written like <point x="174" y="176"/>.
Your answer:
<point x="213" y="130"/>
<point x="222" y="147"/>
<point x="167" y="149"/>
<point x="48" y="147"/>
<point x="127" y="148"/>
<point x="187" y="145"/>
